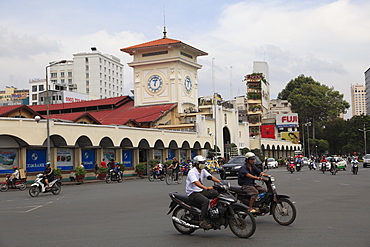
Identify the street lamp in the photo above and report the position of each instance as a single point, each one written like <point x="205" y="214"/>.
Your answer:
<point x="308" y="136"/>
<point x="47" y="109"/>
<point x="364" y="130"/>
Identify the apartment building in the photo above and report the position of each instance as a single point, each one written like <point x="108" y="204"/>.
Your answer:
<point x="358" y="99"/>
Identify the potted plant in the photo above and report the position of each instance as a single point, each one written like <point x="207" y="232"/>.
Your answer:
<point x="80" y="174"/>
<point x="58" y="174"/>
<point x="140" y="169"/>
<point x="103" y="172"/>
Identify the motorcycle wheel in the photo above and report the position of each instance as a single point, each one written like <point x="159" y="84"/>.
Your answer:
<point x="151" y="178"/>
<point x="162" y="177"/>
<point x="108" y="179"/>
<point x="34" y="191"/>
<point x="22" y="186"/>
<point x="244" y="225"/>
<point x="56" y="189"/>
<point x="284" y="212"/>
<point x="120" y="180"/>
<point x="184" y="215"/>
<point x="4" y="187"/>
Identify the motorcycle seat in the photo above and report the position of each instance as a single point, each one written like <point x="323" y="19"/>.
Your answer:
<point x="184" y="197"/>
<point x="237" y="189"/>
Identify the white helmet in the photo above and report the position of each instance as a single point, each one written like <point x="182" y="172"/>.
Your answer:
<point x="199" y="158"/>
<point x="249" y="155"/>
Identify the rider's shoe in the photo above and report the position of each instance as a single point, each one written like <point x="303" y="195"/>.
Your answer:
<point x="253" y="211"/>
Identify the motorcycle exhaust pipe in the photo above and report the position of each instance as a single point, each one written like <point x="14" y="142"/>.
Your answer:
<point x="183" y="223"/>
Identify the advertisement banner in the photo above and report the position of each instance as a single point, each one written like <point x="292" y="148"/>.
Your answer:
<point x="108" y="155"/>
<point x="88" y="158"/>
<point x="65" y="159"/>
<point x="127" y="157"/>
<point x="171" y="154"/>
<point x="268" y="131"/>
<point x="8" y="159"/>
<point x="35" y="160"/>
<point x="287" y="120"/>
<point x="292" y="136"/>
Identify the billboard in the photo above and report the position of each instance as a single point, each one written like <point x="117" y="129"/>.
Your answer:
<point x="287" y="120"/>
<point x="292" y="136"/>
<point x="268" y="131"/>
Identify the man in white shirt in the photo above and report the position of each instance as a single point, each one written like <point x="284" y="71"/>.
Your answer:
<point x="15" y="175"/>
<point x="197" y="192"/>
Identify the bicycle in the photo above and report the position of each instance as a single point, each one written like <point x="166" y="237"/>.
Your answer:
<point x="170" y="176"/>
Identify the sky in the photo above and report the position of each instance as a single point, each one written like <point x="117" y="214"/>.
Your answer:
<point x="325" y="39"/>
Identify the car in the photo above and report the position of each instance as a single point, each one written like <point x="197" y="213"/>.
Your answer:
<point x="305" y="161"/>
<point x="272" y="163"/>
<point x="231" y="168"/>
<point x="341" y="163"/>
<point x="366" y="161"/>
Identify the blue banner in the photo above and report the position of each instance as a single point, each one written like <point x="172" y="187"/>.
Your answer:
<point x="127" y="157"/>
<point x="88" y="158"/>
<point x="193" y="154"/>
<point x="35" y="160"/>
<point x="8" y="159"/>
<point x="171" y="154"/>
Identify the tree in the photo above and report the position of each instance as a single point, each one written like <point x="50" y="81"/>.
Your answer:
<point x="313" y="102"/>
<point x="294" y="84"/>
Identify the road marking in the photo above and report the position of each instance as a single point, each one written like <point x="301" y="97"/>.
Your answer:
<point x="344" y="184"/>
<point x="36" y="207"/>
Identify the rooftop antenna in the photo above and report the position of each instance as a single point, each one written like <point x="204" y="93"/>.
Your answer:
<point x="164" y="23"/>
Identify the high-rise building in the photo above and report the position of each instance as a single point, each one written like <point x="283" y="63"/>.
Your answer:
<point x="367" y="84"/>
<point x="358" y="99"/>
<point x="91" y="73"/>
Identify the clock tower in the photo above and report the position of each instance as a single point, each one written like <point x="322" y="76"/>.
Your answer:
<point x="165" y="71"/>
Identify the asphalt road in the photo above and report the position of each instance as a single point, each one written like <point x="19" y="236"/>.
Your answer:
<point x="332" y="211"/>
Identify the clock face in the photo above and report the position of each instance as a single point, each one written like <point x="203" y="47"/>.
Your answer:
<point x="188" y="84"/>
<point x="155" y="83"/>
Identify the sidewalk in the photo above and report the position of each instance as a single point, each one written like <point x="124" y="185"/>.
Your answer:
<point x="89" y="180"/>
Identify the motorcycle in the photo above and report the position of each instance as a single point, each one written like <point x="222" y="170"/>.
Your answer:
<point x="298" y="166"/>
<point x="312" y="165"/>
<point x="324" y="166"/>
<point x="354" y="164"/>
<point x="113" y="176"/>
<point x="8" y="184"/>
<point x="281" y="208"/>
<point x="39" y="186"/>
<point x="224" y="210"/>
<point x="291" y="167"/>
<point x="333" y="168"/>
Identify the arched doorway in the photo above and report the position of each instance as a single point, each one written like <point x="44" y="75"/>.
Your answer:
<point x="227" y="142"/>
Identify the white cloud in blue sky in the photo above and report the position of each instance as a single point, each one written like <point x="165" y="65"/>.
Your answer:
<point x="327" y="40"/>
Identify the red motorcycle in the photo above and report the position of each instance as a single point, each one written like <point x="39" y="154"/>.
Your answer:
<point x="291" y="166"/>
<point x="20" y="184"/>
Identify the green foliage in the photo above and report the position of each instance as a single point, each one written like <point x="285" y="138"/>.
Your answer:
<point x="80" y="171"/>
<point x="122" y="167"/>
<point x="57" y="172"/>
<point x="295" y="84"/>
<point x="103" y="170"/>
<point x="152" y="162"/>
<point x="141" y="167"/>
<point x="245" y="150"/>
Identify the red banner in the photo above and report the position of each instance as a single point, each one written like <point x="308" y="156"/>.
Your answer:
<point x="268" y="131"/>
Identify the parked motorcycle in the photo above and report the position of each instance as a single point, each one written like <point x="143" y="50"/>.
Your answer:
<point x="224" y="210"/>
<point x="8" y="184"/>
<point x="39" y="186"/>
<point x="354" y="164"/>
<point x="113" y="176"/>
<point x="281" y="208"/>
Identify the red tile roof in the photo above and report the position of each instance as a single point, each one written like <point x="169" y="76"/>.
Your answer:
<point x="7" y="110"/>
<point x="100" y="102"/>
<point x="160" y="42"/>
<point x="121" y="112"/>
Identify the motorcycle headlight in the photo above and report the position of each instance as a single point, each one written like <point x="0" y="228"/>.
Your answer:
<point x="272" y="179"/>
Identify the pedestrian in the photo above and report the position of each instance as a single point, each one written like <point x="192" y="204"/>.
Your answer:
<point x="175" y="168"/>
<point x="96" y="170"/>
<point x="103" y="163"/>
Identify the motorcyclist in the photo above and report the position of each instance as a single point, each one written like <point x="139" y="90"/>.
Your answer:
<point x="198" y="192"/>
<point x="117" y="170"/>
<point x="15" y="175"/>
<point x="247" y="175"/>
<point x="48" y="175"/>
